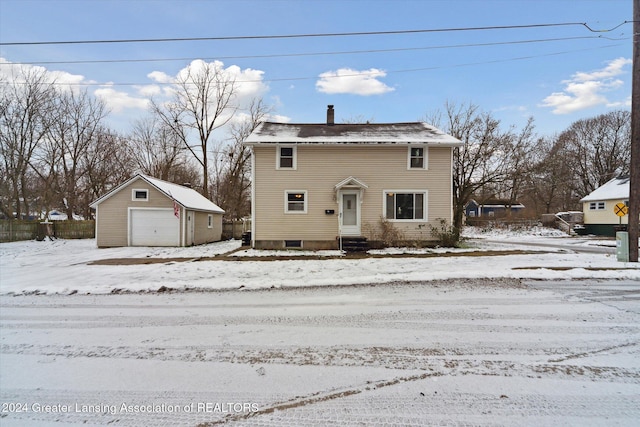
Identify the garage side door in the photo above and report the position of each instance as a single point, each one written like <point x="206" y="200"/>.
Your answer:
<point x="154" y="227"/>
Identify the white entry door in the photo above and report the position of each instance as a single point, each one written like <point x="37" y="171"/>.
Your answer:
<point x="350" y="214"/>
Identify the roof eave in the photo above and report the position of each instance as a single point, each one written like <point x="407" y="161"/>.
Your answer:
<point x="337" y="142"/>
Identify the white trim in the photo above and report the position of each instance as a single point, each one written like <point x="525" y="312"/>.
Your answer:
<point x="351" y="182"/>
<point x="597" y="205"/>
<point x="209" y="220"/>
<point x="135" y="190"/>
<point x="354" y="230"/>
<point x="294" y="155"/>
<point x="425" y="204"/>
<point x="450" y="187"/>
<point x="305" y="201"/>
<point x="183" y="226"/>
<point x="425" y="157"/>
<point x="253" y="198"/>
<point x="96" y="226"/>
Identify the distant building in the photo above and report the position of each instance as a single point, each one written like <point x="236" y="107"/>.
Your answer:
<point x="599" y="207"/>
<point x="491" y="208"/>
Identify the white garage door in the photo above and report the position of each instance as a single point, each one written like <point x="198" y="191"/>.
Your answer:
<point x="154" y="227"/>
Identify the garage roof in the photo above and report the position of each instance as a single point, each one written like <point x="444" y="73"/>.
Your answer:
<point x="184" y="196"/>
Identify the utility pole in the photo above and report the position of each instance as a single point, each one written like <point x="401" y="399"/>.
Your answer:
<point x="634" y="168"/>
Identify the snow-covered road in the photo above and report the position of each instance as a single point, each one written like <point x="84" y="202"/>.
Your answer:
<point x="461" y="351"/>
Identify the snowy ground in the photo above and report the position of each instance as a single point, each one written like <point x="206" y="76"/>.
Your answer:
<point x="455" y="352"/>
<point x="452" y="339"/>
<point x="62" y="266"/>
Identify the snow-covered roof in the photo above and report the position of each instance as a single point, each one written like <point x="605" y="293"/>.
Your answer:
<point x="184" y="196"/>
<point x="374" y="133"/>
<point x="617" y="188"/>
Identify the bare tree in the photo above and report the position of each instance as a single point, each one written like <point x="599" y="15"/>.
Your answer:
<point x="157" y="149"/>
<point x="598" y="149"/>
<point x="233" y="162"/>
<point x="202" y="103"/>
<point x="549" y="183"/>
<point x="79" y="117"/>
<point x="108" y="162"/>
<point x="26" y="105"/>
<point x="480" y="161"/>
<point x="518" y="148"/>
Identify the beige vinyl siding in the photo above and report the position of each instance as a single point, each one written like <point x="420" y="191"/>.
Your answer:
<point x="202" y="232"/>
<point x="321" y="167"/>
<point x="112" y="224"/>
<point x="606" y="216"/>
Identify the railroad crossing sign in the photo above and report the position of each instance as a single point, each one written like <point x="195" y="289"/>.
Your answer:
<point x="621" y="209"/>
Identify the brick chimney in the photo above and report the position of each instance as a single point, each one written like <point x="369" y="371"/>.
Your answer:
<point x="330" y="115"/>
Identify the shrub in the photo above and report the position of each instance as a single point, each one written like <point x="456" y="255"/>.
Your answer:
<point x="385" y="233"/>
<point x="445" y="233"/>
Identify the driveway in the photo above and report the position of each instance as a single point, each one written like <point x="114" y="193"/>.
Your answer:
<point x="574" y="245"/>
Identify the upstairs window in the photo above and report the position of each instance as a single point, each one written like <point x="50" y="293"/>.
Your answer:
<point x="596" y="206"/>
<point x="405" y="205"/>
<point x="140" y="195"/>
<point x="286" y="158"/>
<point x="417" y="158"/>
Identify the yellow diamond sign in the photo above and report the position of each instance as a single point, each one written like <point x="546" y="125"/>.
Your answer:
<point x="621" y="209"/>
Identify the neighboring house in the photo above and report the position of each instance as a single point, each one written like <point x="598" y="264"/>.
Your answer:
<point x="57" y="215"/>
<point x="313" y="184"/>
<point x="146" y="211"/>
<point x="491" y="208"/>
<point x="598" y="207"/>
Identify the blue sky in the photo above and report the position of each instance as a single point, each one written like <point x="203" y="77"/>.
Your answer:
<point x="386" y="78"/>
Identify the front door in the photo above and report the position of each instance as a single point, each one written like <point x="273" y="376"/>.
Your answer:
<point x="350" y="214"/>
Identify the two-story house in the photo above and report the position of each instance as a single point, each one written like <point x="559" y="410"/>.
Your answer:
<point x="315" y="184"/>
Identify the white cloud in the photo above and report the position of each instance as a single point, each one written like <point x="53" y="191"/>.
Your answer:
<point x="11" y="72"/>
<point x="586" y="90"/>
<point x="626" y="103"/>
<point x="149" y="90"/>
<point x="160" y="77"/>
<point x="117" y="101"/>
<point x="249" y="83"/>
<point x="347" y="80"/>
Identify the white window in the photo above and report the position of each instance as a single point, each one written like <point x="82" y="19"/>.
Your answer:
<point x="138" y="195"/>
<point x="286" y="157"/>
<point x="295" y="201"/>
<point x="417" y="158"/>
<point x="596" y="206"/>
<point x="405" y="205"/>
<point x="209" y="221"/>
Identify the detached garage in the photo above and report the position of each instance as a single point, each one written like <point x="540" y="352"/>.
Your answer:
<point x="146" y="211"/>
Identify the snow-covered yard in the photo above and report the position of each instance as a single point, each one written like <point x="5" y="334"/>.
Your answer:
<point x="420" y="337"/>
<point x="63" y="266"/>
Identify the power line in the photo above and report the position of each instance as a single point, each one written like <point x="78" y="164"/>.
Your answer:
<point x="314" y="35"/>
<point x="337" y="76"/>
<point x="300" y="54"/>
